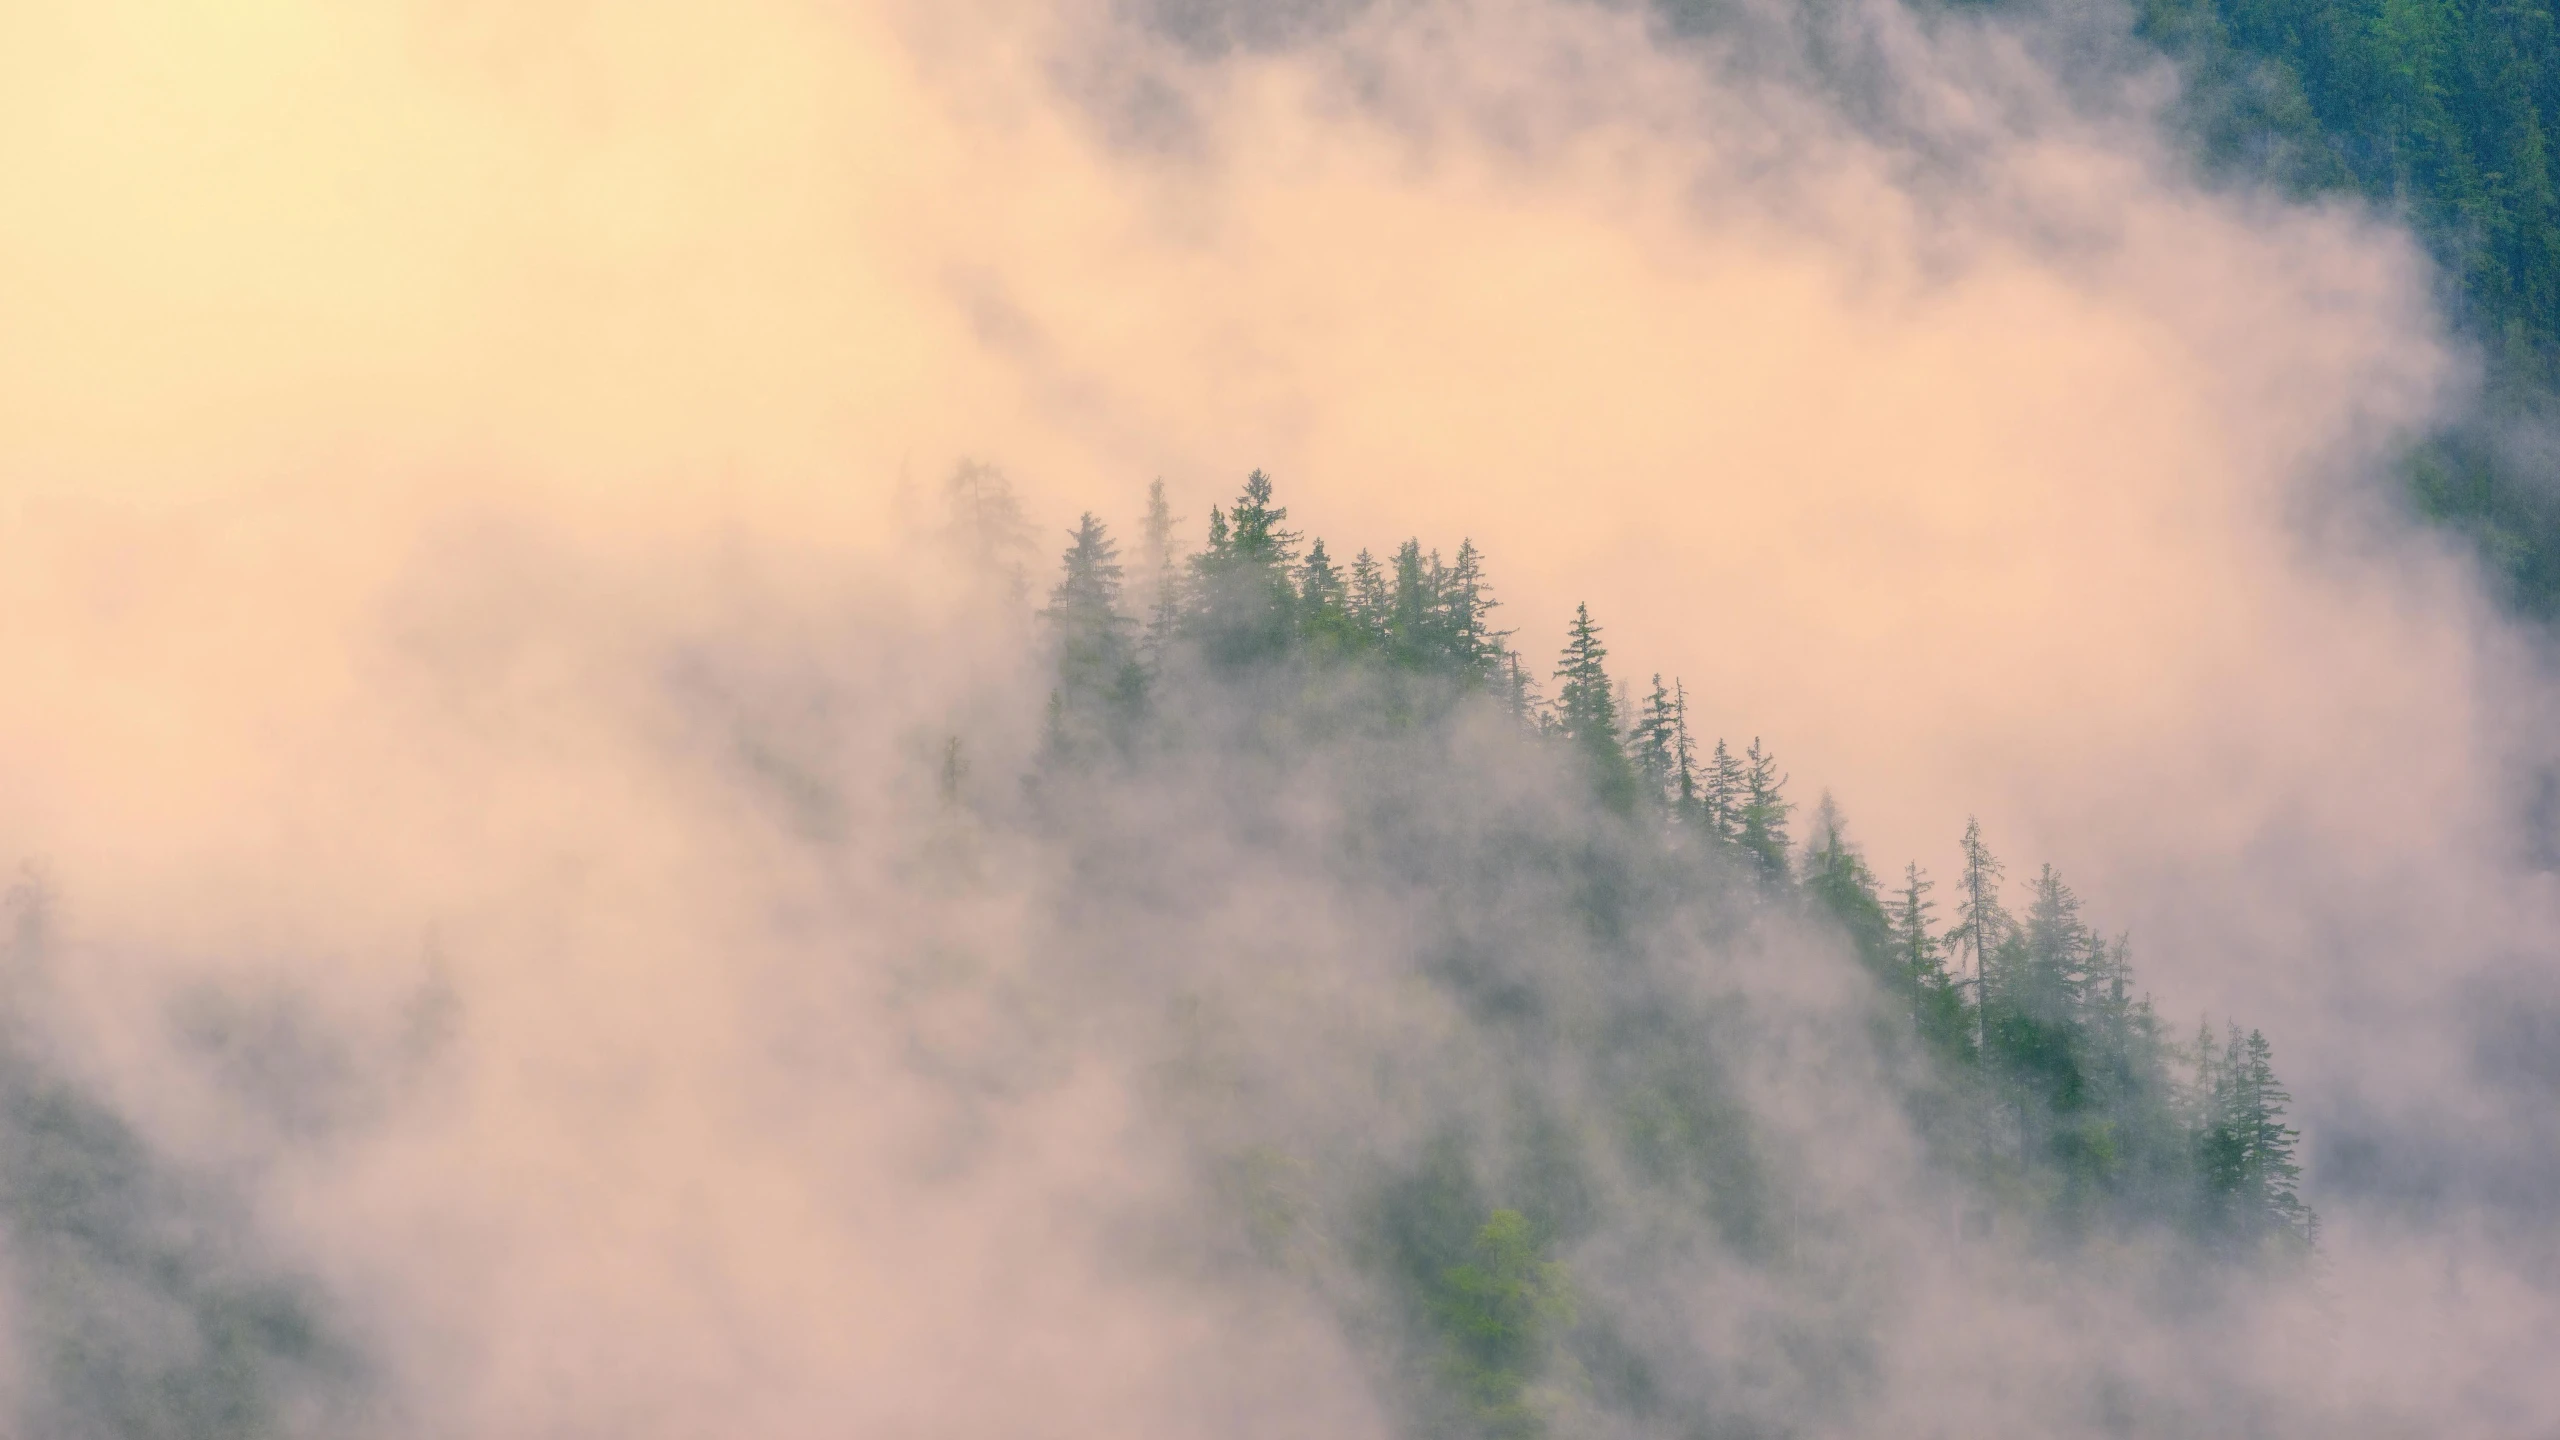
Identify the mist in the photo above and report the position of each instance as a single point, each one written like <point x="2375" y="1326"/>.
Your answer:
<point x="542" y="911"/>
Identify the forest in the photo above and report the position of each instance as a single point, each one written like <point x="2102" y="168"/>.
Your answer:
<point x="2057" y="1107"/>
<point x="2442" y="113"/>
<point x="1576" y="1074"/>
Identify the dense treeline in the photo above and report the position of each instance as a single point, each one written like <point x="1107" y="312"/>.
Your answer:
<point x="2443" y="111"/>
<point x="136" y="1308"/>
<point x="2052" y="1093"/>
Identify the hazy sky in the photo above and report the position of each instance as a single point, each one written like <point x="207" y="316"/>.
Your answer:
<point x="1987" y="487"/>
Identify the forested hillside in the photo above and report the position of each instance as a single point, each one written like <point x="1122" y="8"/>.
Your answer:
<point x="1522" y="1190"/>
<point x="2444" y="112"/>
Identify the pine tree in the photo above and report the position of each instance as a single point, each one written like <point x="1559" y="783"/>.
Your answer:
<point x="1725" y="792"/>
<point x="1761" y="827"/>
<point x="1245" y="595"/>
<point x="2250" y="1177"/>
<point x="1684" y="756"/>
<point x="1101" y="686"/>
<point x="1837" y="878"/>
<point x="1657" y="746"/>
<point x="1520" y="694"/>
<point x="2273" y="1176"/>
<point x="984" y="525"/>
<point x="1981" y="925"/>
<point x="1324" y="614"/>
<point x="1164" y="580"/>
<point x="1413" y="641"/>
<point x="1466" y="603"/>
<point x="2054" y="966"/>
<point x="1937" y="1003"/>
<point x="2123" y="1059"/>
<point x="1587" y="712"/>
<point x="1258" y="538"/>
<point x="1368" y="601"/>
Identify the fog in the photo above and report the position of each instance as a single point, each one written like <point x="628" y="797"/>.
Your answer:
<point x="479" y="662"/>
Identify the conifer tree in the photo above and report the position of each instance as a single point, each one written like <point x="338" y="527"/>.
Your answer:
<point x="1324" y="614"/>
<point x="2273" y="1176"/>
<point x="1981" y="925"/>
<point x="1319" y="584"/>
<point x="1837" y="878"/>
<point x="1101" y="686"/>
<point x="1587" y="712"/>
<point x="1726" y="789"/>
<point x="2054" y="960"/>
<point x="2117" y="1022"/>
<point x="1164" y="580"/>
<point x="1520" y="693"/>
<point x="1684" y="755"/>
<point x="1657" y="744"/>
<point x="1368" y="601"/>
<point x="2123" y="1057"/>
<point x="1258" y="537"/>
<point x="1466" y="603"/>
<point x="2249" y="1174"/>
<point x="1937" y="1004"/>
<point x="984" y="525"/>
<point x="1411" y="610"/>
<point x="1246" y="596"/>
<point x="1761" y="827"/>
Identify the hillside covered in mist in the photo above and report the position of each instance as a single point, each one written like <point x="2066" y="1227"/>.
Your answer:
<point x="1550" y="1059"/>
<point x="1560" y="1077"/>
<point x="2443" y="114"/>
<point x="1923" y="844"/>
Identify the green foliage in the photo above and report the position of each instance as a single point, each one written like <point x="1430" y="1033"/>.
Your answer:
<point x="1498" y="1311"/>
<point x="134" y="1308"/>
<point x="1102" y="687"/>
<point x="1938" y="1011"/>
<point x="1586" y="712"/>
<point x="1659" y="737"/>
<point x="2052" y="1090"/>
<point x="2444" y="111"/>
<point x="1760" y="825"/>
<point x="1836" y="878"/>
<point x="1245" y="601"/>
<point x="2244" y="1148"/>
<point x="984" y="526"/>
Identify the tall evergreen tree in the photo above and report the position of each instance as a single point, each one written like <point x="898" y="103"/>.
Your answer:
<point x="1101" y="685"/>
<point x="1466" y="604"/>
<point x="1726" y="791"/>
<point x="1761" y="827"/>
<point x="2055" y="958"/>
<point x="1324" y="613"/>
<point x="1836" y="877"/>
<point x="1520" y="693"/>
<point x="2249" y="1174"/>
<point x="1657" y="744"/>
<point x="984" y="525"/>
<point x="1164" y="579"/>
<point x="1413" y="641"/>
<point x="1245" y="596"/>
<point x="1981" y="925"/>
<point x="1937" y="1001"/>
<point x="1587" y="712"/>
<point x="1684" y="756"/>
<point x="1368" y="601"/>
